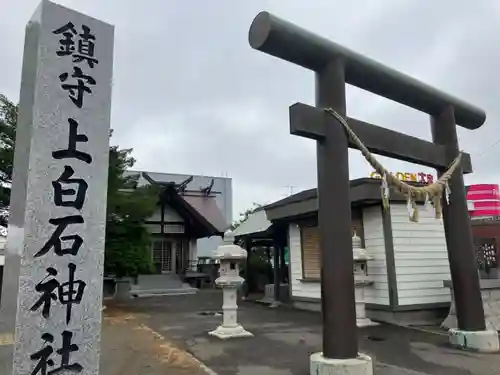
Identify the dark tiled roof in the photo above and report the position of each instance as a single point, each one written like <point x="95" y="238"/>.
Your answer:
<point x="362" y="190"/>
<point x="207" y="207"/>
<point x="313" y="193"/>
<point x="204" y="208"/>
<point x="299" y="197"/>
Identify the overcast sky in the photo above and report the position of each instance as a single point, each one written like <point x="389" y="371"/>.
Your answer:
<point x="191" y="96"/>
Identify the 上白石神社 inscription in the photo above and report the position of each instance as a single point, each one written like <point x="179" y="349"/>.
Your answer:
<point x="57" y="226"/>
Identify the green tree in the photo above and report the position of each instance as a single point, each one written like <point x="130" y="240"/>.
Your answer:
<point x="244" y="215"/>
<point x="8" y="122"/>
<point x="127" y="240"/>
<point x="127" y="251"/>
<point x="258" y="263"/>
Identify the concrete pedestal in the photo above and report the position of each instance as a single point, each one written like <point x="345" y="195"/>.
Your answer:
<point x="122" y="290"/>
<point x="269" y="294"/>
<point x="320" y="365"/>
<point x="480" y="341"/>
<point x="359" y="291"/>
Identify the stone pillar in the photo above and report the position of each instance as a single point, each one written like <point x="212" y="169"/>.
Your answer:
<point x="361" y="319"/>
<point x="2" y="261"/>
<point x="193" y="254"/>
<point x="277" y="274"/>
<point x="55" y="250"/>
<point x="246" y="283"/>
<point x="230" y="308"/>
<point x="361" y="281"/>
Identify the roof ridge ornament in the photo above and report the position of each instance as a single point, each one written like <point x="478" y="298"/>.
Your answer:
<point x="208" y="189"/>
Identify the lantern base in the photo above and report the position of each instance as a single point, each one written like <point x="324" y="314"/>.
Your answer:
<point x="229" y="332"/>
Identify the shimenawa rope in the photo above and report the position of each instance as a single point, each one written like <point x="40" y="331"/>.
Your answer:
<point x="431" y="193"/>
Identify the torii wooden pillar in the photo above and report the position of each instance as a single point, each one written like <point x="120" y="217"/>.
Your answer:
<point x="336" y="66"/>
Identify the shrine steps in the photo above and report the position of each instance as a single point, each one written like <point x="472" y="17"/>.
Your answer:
<point x="160" y="285"/>
<point x="162" y="292"/>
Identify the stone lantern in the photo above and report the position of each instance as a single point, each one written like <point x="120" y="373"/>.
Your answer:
<point x="361" y="281"/>
<point x="229" y="255"/>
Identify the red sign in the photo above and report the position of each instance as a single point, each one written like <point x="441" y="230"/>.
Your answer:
<point x="483" y="200"/>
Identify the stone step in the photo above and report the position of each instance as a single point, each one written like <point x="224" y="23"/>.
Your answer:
<point x="163" y="292"/>
<point x="146" y="282"/>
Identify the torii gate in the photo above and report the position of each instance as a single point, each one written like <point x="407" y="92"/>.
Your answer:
<point x="336" y="66"/>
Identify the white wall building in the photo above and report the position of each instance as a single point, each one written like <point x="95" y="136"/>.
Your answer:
<point x="410" y="259"/>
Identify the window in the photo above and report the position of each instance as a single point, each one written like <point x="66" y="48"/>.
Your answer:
<point x="173" y="228"/>
<point x="311" y="253"/>
<point x="162" y="255"/>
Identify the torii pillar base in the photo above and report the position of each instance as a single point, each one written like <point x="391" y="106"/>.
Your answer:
<point x="320" y="365"/>
<point x="478" y="341"/>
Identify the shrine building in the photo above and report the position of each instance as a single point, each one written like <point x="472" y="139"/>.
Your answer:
<point x="410" y="260"/>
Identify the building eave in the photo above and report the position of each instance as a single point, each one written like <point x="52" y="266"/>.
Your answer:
<point x="363" y="192"/>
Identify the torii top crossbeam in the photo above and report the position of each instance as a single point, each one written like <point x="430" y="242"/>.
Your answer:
<point x="289" y="42"/>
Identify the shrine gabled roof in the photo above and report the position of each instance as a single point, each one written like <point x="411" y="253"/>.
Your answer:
<point x="363" y="191"/>
<point x="207" y="208"/>
<point x="201" y="209"/>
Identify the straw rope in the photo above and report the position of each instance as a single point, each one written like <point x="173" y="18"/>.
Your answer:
<point x="432" y="193"/>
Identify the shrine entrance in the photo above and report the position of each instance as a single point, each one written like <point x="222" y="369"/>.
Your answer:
<point x="335" y="66"/>
<point x="165" y="254"/>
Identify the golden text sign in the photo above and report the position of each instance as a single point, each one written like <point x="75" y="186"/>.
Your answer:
<point x="407" y="176"/>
